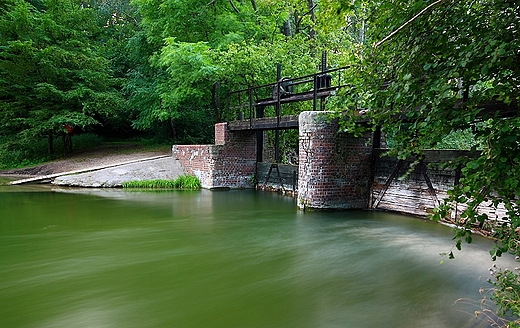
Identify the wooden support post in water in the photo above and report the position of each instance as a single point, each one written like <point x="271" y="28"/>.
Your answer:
<point x="278" y="113"/>
<point x="259" y="136"/>
<point x="388" y="182"/>
<point x="295" y="178"/>
<point x="431" y="190"/>
<point x="376" y="141"/>
<point x="275" y="166"/>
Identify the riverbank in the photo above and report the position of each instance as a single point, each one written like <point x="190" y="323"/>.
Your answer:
<point x="107" y="166"/>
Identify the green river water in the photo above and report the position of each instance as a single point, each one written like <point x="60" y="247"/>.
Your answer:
<point x="113" y="258"/>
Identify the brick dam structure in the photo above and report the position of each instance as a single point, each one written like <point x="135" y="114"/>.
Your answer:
<point x="229" y="163"/>
<point x="336" y="171"/>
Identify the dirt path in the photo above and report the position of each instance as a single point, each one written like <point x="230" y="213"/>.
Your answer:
<point x="106" y="166"/>
<point x="101" y="156"/>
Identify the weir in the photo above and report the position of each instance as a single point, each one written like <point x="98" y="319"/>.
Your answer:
<point x="336" y="171"/>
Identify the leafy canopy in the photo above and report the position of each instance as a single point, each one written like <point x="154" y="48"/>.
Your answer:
<point x="51" y="73"/>
<point x="428" y="69"/>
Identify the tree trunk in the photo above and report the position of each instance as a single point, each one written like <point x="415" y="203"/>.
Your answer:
<point x="287" y="29"/>
<point x="67" y="144"/>
<point x="174" y="130"/>
<point x="311" y="5"/>
<point x="362" y="29"/>
<point x="216" y="101"/>
<point x="50" y="139"/>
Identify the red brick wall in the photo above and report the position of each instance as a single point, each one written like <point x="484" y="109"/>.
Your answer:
<point x="197" y="160"/>
<point x="220" y="133"/>
<point x="230" y="163"/>
<point x="334" y="170"/>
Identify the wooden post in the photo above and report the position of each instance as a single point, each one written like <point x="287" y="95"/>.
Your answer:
<point x="259" y="136"/>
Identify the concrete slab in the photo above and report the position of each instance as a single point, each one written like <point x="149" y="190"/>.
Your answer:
<point x="165" y="168"/>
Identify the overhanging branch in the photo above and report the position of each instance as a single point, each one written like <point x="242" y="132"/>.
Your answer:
<point x="234" y="7"/>
<point x="408" y="22"/>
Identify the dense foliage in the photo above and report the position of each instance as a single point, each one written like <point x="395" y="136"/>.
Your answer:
<point x="197" y="45"/>
<point x="443" y="71"/>
<point x="52" y="72"/>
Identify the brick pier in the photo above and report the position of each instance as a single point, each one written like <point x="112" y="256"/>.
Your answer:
<point x="335" y="169"/>
<point x="230" y="163"/>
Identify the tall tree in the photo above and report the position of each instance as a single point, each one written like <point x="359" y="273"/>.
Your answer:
<point x="50" y="73"/>
<point x="237" y="43"/>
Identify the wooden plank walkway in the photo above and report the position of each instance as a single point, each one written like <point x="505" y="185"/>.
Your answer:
<point x="266" y="123"/>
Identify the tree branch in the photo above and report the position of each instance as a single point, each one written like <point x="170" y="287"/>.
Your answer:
<point x="253" y="3"/>
<point x="234" y="7"/>
<point x="408" y="22"/>
<point x="309" y="12"/>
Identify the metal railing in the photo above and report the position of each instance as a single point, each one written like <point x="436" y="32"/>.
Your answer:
<point x="315" y="87"/>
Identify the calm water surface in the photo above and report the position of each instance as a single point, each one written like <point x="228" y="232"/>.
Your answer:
<point x="110" y="258"/>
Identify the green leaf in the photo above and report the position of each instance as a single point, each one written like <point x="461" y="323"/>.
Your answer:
<point x="469" y="239"/>
<point x="473" y="165"/>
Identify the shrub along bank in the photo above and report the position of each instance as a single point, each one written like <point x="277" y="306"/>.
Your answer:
<point x="185" y="182"/>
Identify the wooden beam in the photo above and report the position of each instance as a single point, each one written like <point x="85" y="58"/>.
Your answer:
<point x="265" y="123"/>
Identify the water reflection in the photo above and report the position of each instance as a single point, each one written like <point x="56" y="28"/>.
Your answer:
<point x="112" y="258"/>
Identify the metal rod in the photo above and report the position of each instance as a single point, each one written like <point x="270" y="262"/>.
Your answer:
<point x="323" y="61"/>
<point x="295" y="79"/>
<point x="277" y="146"/>
<point x="315" y="93"/>
<point x="250" y="95"/>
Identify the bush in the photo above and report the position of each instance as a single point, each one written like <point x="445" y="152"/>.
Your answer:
<point x="460" y="139"/>
<point x="182" y="182"/>
<point x="506" y="294"/>
<point x="86" y="141"/>
<point x="15" y="153"/>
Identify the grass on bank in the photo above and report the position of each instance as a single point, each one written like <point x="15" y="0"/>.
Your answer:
<point x="184" y="182"/>
<point x="5" y="181"/>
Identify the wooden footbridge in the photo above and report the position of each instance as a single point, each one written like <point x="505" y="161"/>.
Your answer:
<point x="250" y="104"/>
<point x="321" y="87"/>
